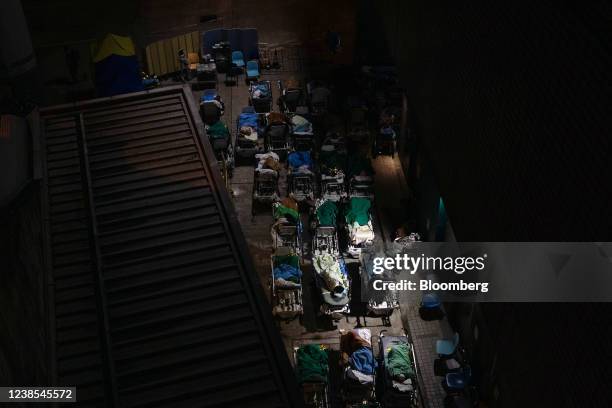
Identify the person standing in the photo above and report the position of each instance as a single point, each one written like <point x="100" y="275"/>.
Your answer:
<point x="184" y="64"/>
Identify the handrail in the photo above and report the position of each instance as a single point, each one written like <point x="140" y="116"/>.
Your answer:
<point x="101" y="298"/>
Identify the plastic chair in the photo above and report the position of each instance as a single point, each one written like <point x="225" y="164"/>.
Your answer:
<point x="447" y="347"/>
<point x="238" y="58"/>
<point x="430" y="301"/>
<point x="458" y="381"/>
<point x="430" y="307"/>
<point x="252" y="70"/>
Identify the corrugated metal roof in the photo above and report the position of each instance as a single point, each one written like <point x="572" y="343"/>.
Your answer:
<point x="155" y="301"/>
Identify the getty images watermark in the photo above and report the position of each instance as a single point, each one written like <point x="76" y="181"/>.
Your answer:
<point x="427" y="264"/>
<point x="491" y="271"/>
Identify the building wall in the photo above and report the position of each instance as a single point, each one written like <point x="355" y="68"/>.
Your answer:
<point x="16" y="53"/>
<point x="23" y="314"/>
<point x="510" y="100"/>
<point x="510" y="110"/>
<point x="15" y="147"/>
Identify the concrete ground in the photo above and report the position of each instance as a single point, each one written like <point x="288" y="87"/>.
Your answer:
<point x="298" y="60"/>
<point x="391" y="193"/>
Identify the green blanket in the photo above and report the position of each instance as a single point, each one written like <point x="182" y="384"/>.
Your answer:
<point x="326" y="213"/>
<point x="357" y="211"/>
<point x="312" y="363"/>
<point x="282" y="211"/>
<point x="292" y="260"/>
<point x="399" y="361"/>
<point x="218" y="131"/>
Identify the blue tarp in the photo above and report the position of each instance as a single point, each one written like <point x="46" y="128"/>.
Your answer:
<point x="299" y="159"/>
<point x="117" y="74"/>
<point x="248" y="119"/>
<point x="288" y="273"/>
<point x="240" y="39"/>
<point x="363" y="360"/>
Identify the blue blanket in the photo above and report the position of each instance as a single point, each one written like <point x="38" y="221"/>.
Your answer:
<point x="248" y="119"/>
<point x="299" y="159"/>
<point x="263" y="88"/>
<point x="343" y="267"/>
<point x="288" y="273"/>
<point x="363" y="361"/>
<point x="208" y="95"/>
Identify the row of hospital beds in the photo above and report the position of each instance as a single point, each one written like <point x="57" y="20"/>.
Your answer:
<point x="389" y="379"/>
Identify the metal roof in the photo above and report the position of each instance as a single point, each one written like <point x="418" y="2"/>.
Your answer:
<point x="154" y="298"/>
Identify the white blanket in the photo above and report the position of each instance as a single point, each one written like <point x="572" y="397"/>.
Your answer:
<point x="261" y="160"/>
<point x="264" y="156"/>
<point x="364" y="334"/>
<point x="359" y="234"/>
<point x="301" y="170"/>
<point x="357" y="375"/>
<point x="252" y="135"/>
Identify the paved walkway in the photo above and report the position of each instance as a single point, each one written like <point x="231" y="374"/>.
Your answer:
<point x="391" y="194"/>
<point x="424" y="335"/>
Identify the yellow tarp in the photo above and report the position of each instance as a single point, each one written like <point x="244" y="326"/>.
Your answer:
<point x="162" y="56"/>
<point x="114" y="45"/>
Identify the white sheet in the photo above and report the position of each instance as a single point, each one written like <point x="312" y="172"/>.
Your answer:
<point x="359" y="234"/>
